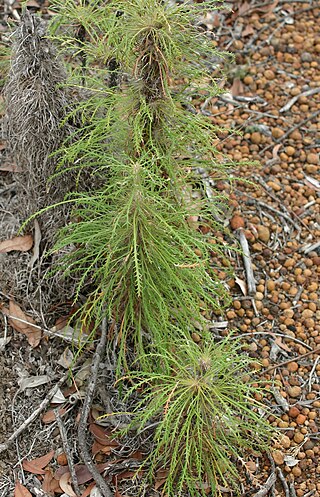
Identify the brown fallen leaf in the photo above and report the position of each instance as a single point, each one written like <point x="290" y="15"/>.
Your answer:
<point x="50" y="485"/>
<point x="280" y="343"/>
<point x="21" y="491"/>
<point x="87" y="491"/>
<point x="20" y="243"/>
<point x="38" y="463"/>
<point x="275" y="151"/>
<point x="237" y="87"/>
<point x="24" y="324"/>
<point x="101" y="435"/>
<point x="64" y="483"/>
<point x="248" y="31"/>
<point x="50" y="417"/>
<point x="10" y="167"/>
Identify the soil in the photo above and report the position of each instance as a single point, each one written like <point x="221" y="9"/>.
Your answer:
<point x="272" y="96"/>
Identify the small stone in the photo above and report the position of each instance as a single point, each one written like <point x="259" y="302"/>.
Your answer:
<point x="312" y="168"/>
<point x="300" y="419"/>
<point x="238" y="44"/>
<point x="293" y="412"/>
<point x="295" y="135"/>
<point x="270" y="285"/>
<point x="263" y="233"/>
<point x="196" y="337"/>
<point x="269" y="74"/>
<point x="62" y="459"/>
<point x="307" y="313"/>
<point x="294" y="391"/>
<point x="236" y="222"/>
<point x="278" y="457"/>
<point x="298" y="437"/>
<point x="290" y="151"/>
<point x="277" y="132"/>
<point x="306" y="57"/>
<point x="296" y="471"/>
<point x="312" y="158"/>
<point x="257" y="247"/>
<point x="275" y="186"/>
<point x="248" y="80"/>
<point x="256" y="138"/>
<point x="285" y="442"/>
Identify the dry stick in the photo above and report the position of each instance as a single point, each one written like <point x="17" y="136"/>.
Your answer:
<point x="287" y="133"/>
<point x="67" y="451"/>
<point x="262" y="183"/>
<point x="293" y="100"/>
<point x="247" y="263"/>
<point x="281" y="214"/>
<point x="315" y="351"/>
<point x="284" y="482"/>
<point x="292" y="489"/>
<point x="82" y="429"/>
<point x="273" y="470"/>
<point x="34" y="415"/>
<point x="266" y="487"/>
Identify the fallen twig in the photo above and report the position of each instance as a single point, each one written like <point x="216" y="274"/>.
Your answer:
<point x="251" y="284"/>
<point x="293" y="100"/>
<point x="82" y="429"/>
<point x="292" y="489"/>
<point x="290" y="130"/>
<point x="266" y="487"/>
<point x="67" y="451"/>
<point x="34" y="415"/>
<point x="284" y="363"/>
<point x="281" y="214"/>
<point x="284" y="482"/>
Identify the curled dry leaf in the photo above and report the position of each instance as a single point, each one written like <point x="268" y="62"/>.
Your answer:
<point x="36" y="466"/>
<point x="50" y="417"/>
<point x="21" y="491"/>
<point x="20" y="243"/>
<point x="50" y="485"/>
<point x="23" y="323"/>
<point x="64" y="483"/>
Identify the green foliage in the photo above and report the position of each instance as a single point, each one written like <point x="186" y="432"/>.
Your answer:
<point x="139" y="252"/>
<point x="202" y="401"/>
<point x="132" y="243"/>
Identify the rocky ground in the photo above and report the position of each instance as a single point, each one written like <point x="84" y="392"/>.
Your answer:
<point x="272" y="97"/>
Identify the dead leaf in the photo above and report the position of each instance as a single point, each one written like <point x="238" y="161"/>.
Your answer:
<point x="24" y="324"/>
<point x="32" y="3"/>
<point x="50" y="417"/>
<point x="20" y="243"/>
<point x="82" y="472"/>
<point x="64" y="483"/>
<point x="280" y="343"/>
<point x="101" y="435"/>
<point x="21" y="491"/>
<point x="87" y="491"/>
<point x="161" y="478"/>
<point x="248" y="31"/>
<point x="275" y="151"/>
<point x="98" y="447"/>
<point x="36" y="247"/>
<point x="243" y="8"/>
<point x="36" y="466"/>
<point x="237" y="88"/>
<point x="33" y="381"/>
<point x="242" y="284"/>
<point x="50" y="485"/>
<point x="10" y="167"/>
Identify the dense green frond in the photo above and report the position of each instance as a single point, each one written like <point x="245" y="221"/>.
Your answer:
<point x="204" y="419"/>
